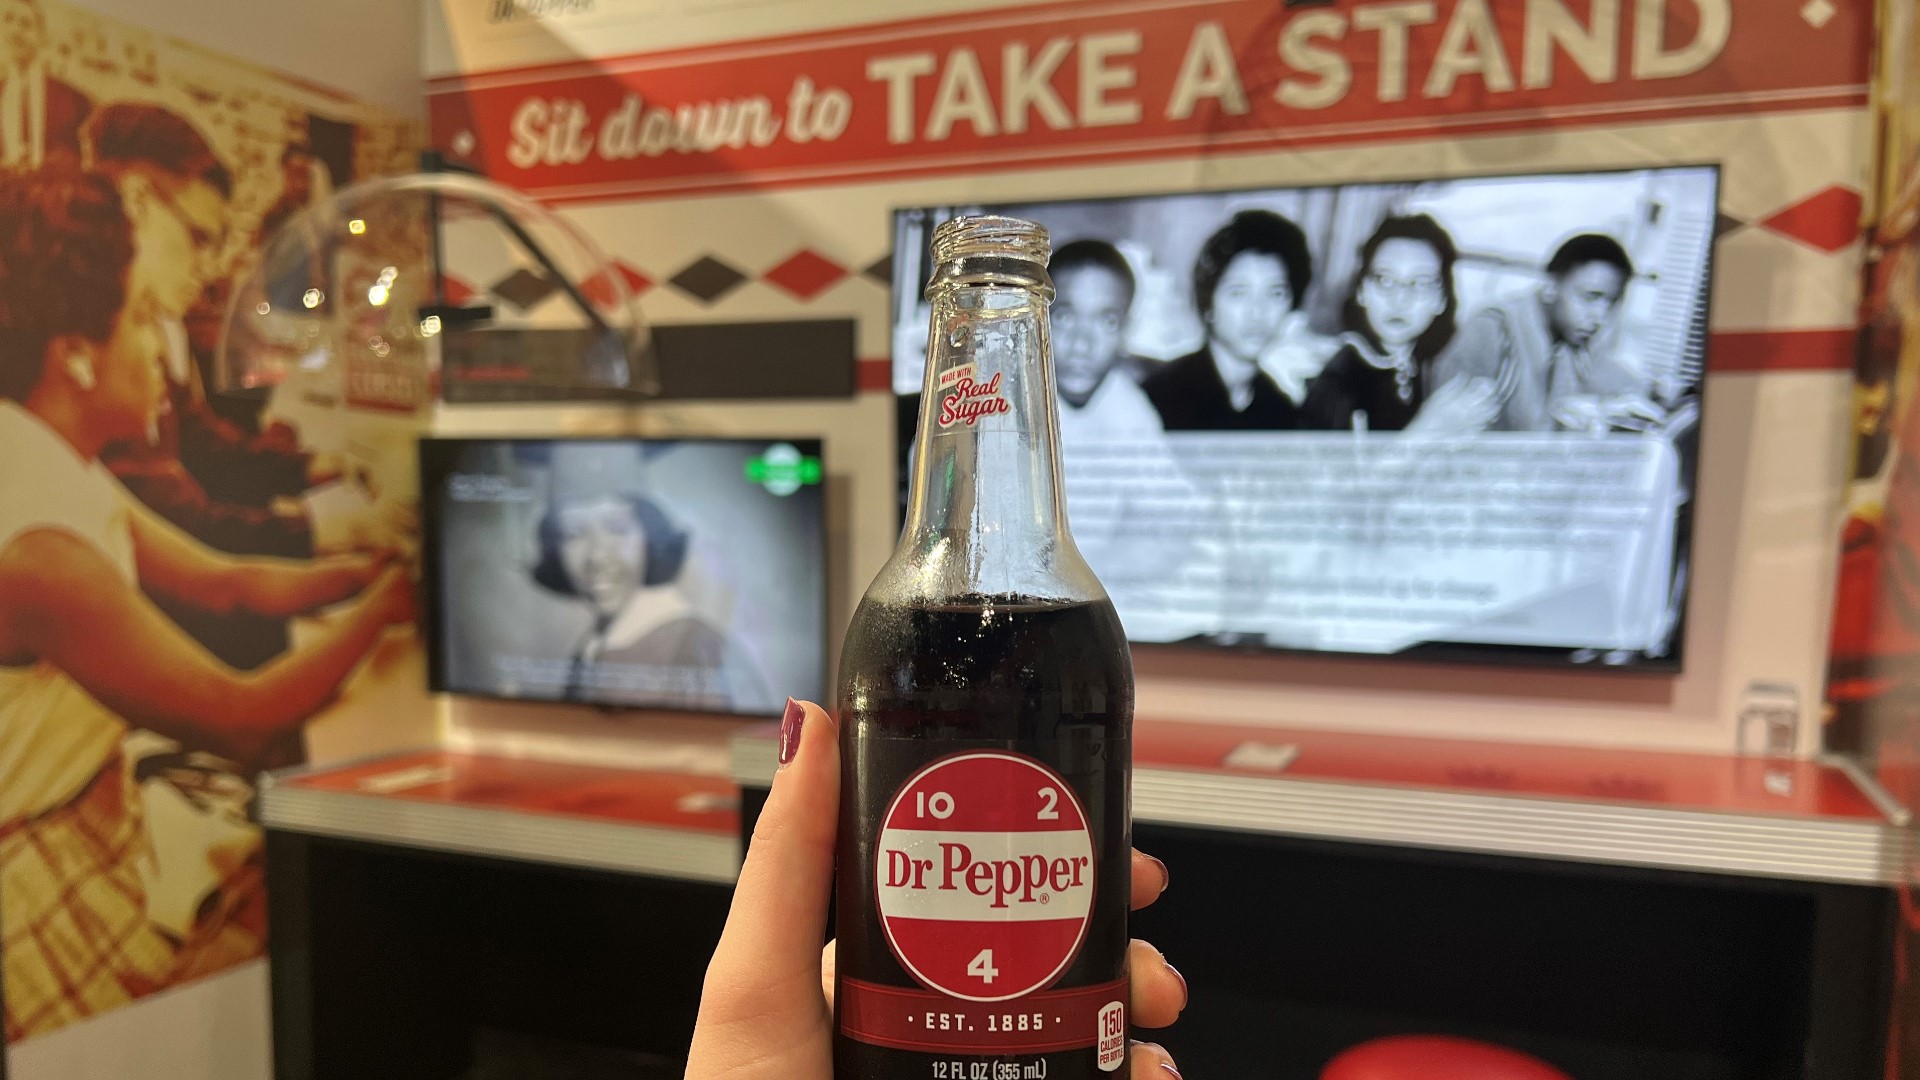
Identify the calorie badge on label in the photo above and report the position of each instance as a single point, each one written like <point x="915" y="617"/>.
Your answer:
<point x="1113" y="1036"/>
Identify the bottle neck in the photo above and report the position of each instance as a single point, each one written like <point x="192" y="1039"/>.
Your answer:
<point x="985" y="514"/>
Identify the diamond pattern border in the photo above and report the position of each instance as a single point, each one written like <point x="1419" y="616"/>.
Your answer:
<point x="707" y="279"/>
<point x="1828" y="220"/>
<point x="805" y="274"/>
<point x="523" y="288"/>
<point x="599" y="288"/>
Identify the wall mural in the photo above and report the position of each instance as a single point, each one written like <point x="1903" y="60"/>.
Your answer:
<point x="192" y="575"/>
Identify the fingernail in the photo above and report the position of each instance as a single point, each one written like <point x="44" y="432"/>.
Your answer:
<point x="790" y="724"/>
<point x="1166" y="876"/>
<point x="1171" y="1071"/>
<point x="1185" y="995"/>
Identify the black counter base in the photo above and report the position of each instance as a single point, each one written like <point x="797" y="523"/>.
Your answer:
<point x="1295" y="950"/>
<point x="401" y="964"/>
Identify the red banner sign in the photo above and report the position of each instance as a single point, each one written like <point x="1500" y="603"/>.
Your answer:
<point x="1079" y="82"/>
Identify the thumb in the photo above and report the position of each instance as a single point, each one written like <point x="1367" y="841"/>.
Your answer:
<point x="779" y="914"/>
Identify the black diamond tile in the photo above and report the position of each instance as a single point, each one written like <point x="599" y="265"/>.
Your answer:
<point x="523" y="288"/>
<point x="1724" y="223"/>
<point x="707" y="280"/>
<point x="881" y="271"/>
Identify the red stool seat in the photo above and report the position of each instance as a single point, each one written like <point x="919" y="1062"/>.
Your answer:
<point x="1436" y="1057"/>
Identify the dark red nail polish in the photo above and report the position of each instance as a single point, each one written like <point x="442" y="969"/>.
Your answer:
<point x="790" y="723"/>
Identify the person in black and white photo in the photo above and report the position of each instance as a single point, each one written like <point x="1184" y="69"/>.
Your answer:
<point x="1093" y="296"/>
<point x="1545" y="351"/>
<point x="1102" y="411"/>
<point x="1399" y="316"/>
<point x="1249" y="277"/>
<point x="614" y="548"/>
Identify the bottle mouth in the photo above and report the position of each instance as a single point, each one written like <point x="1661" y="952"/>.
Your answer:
<point x="991" y="236"/>
<point x="991" y="251"/>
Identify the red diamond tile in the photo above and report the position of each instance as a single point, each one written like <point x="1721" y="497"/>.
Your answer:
<point x="805" y="274"/>
<point x="457" y="292"/>
<point x="637" y="282"/>
<point x="1828" y="219"/>
<point x="599" y="287"/>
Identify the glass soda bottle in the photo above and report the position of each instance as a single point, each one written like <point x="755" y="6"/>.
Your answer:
<point x="986" y="700"/>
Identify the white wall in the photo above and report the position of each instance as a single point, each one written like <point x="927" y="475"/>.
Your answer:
<point x="367" y="48"/>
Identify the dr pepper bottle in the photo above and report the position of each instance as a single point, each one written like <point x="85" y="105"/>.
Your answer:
<point x="986" y="697"/>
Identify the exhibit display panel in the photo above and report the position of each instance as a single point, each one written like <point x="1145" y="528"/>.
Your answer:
<point x="1714" y="147"/>
<point x="1458" y="398"/>
<point x="1652" y="478"/>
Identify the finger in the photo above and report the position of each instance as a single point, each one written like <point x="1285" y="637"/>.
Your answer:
<point x="779" y="913"/>
<point x="827" y="961"/>
<point x="1150" y="1061"/>
<point x="1149" y="879"/>
<point x="1159" y="992"/>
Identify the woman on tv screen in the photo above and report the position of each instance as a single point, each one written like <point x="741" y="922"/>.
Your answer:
<point x="1398" y="317"/>
<point x="1250" y="276"/>
<point x="618" y="551"/>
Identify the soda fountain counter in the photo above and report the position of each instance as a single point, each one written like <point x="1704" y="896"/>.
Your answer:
<point x="440" y="915"/>
<point x="1784" y="819"/>
<point x="1620" y="914"/>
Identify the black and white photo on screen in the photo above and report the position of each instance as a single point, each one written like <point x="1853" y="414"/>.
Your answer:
<point x="677" y="574"/>
<point x="1231" y="359"/>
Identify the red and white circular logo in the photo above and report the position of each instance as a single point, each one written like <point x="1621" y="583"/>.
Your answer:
<point x="985" y="875"/>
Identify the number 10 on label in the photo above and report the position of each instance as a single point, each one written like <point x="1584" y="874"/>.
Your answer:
<point x="939" y="805"/>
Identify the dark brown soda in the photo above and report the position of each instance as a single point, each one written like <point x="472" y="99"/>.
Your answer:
<point x="1050" y="680"/>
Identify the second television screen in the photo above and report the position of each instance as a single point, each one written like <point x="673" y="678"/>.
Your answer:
<point x="1455" y="418"/>
<point x="670" y="574"/>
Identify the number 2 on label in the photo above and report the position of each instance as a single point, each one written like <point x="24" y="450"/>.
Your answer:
<point x="982" y="967"/>
<point x="1049" y="812"/>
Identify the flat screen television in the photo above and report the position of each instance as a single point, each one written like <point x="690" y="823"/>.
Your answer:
<point x="1450" y="419"/>
<point x="682" y="574"/>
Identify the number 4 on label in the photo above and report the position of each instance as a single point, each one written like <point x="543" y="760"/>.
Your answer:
<point x="982" y="966"/>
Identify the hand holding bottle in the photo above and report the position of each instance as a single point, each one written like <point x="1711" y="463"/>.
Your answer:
<point x="766" y="1010"/>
